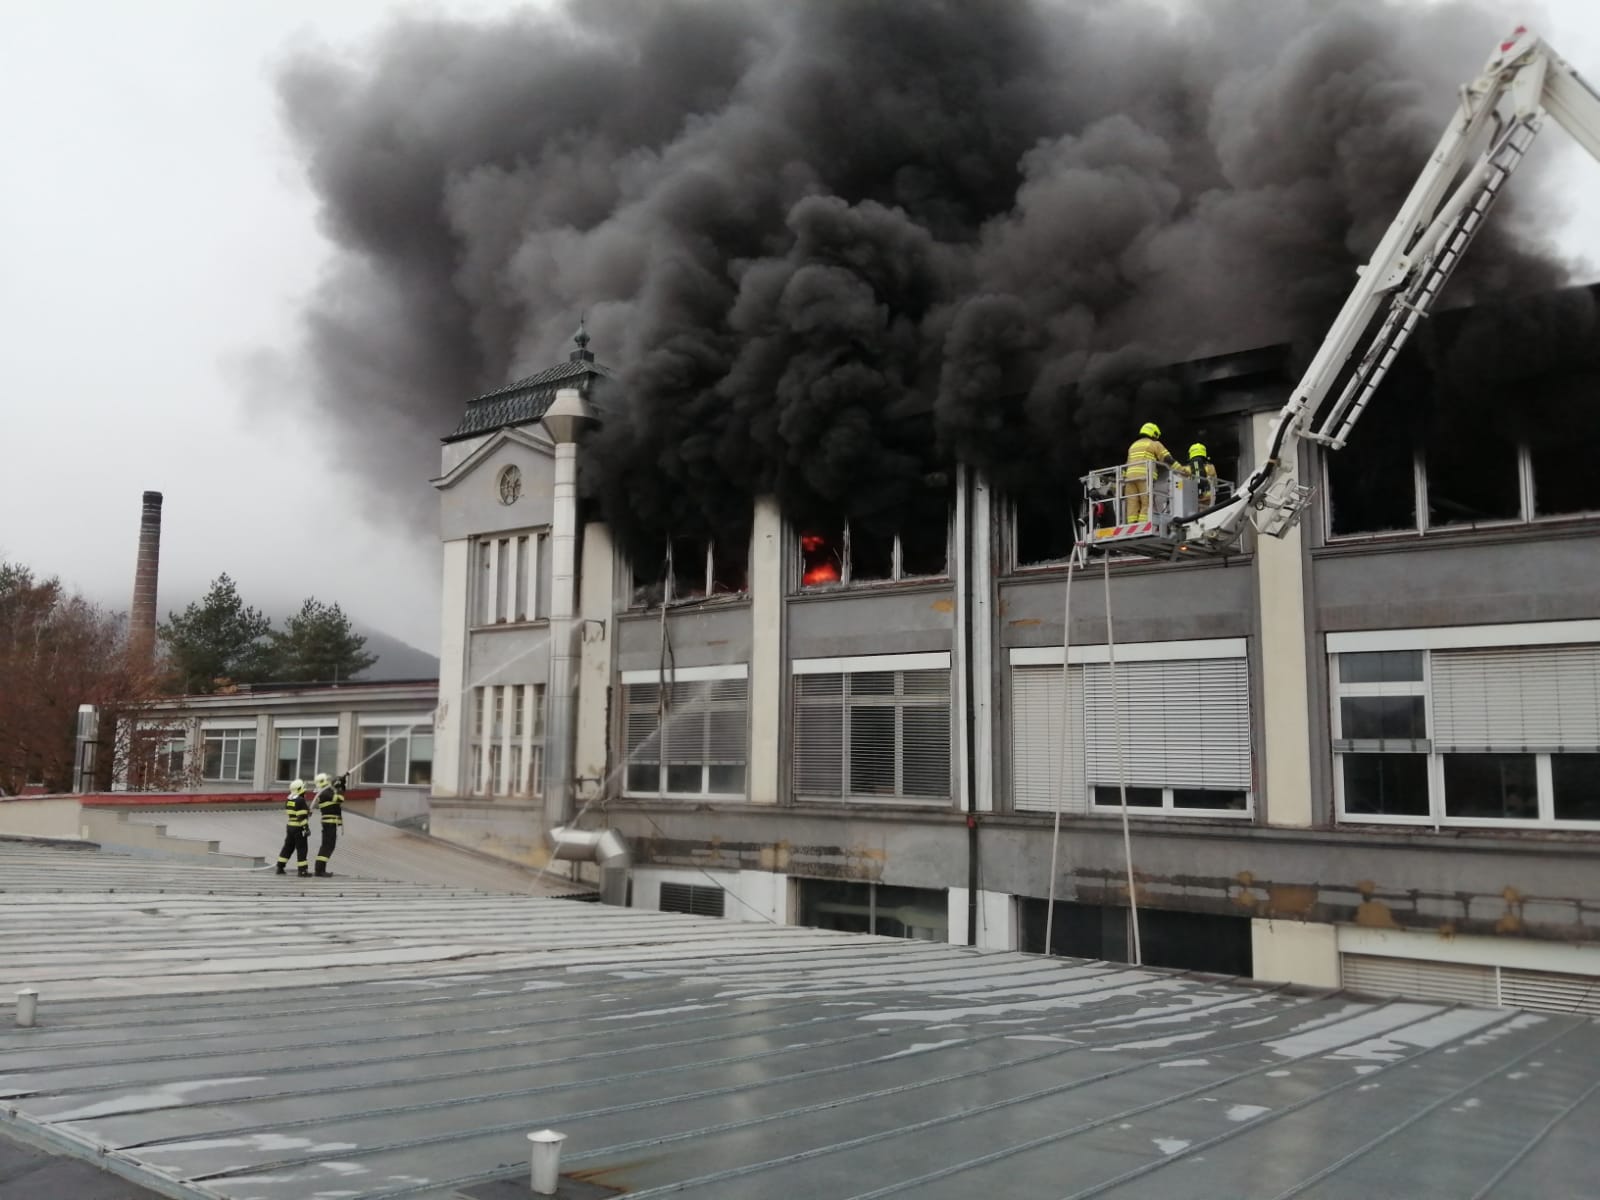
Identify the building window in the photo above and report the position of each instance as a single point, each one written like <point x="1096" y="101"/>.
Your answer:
<point x="304" y="751"/>
<point x="228" y="756"/>
<point x="701" y="900"/>
<point x="686" y="739"/>
<point x="1178" y="734"/>
<point x="158" y="759"/>
<point x="691" y="569"/>
<point x="875" y="730"/>
<point x="505" y="743"/>
<point x="401" y="753"/>
<point x="1468" y="736"/>
<point x="1395" y="481"/>
<point x="510" y="484"/>
<point x="1187" y="941"/>
<point x="853" y="552"/>
<point x="513" y="575"/>
<point x="904" y="912"/>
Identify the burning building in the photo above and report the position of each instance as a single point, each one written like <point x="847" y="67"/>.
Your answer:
<point x="880" y="282"/>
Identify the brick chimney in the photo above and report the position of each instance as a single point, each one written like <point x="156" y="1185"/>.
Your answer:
<point x="142" y="619"/>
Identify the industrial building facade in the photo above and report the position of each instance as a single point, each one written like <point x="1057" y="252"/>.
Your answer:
<point x="1367" y="752"/>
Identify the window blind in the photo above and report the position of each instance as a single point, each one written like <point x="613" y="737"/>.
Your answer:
<point x="1041" y="776"/>
<point x="869" y="734"/>
<point x="1517" y="698"/>
<point x="1180" y="724"/>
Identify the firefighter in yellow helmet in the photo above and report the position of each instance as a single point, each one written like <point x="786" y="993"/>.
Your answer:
<point x="1202" y="468"/>
<point x="297" y="838"/>
<point x="330" y="804"/>
<point x="1145" y="456"/>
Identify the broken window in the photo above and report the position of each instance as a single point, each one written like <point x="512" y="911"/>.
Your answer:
<point x="1372" y="483"/>
<point x="903" y="912"/>
<point x="692" y="569"/>
<point x="1471" y="478"/>
<point x="1042" y="531"/>
<point x="855" y="552"/>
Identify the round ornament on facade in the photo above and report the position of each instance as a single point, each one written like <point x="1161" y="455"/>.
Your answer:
<point x="510" y="485"/>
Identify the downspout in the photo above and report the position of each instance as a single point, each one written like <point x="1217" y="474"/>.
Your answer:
<point x="569" y="415"/>
<point x="968" y="696"/>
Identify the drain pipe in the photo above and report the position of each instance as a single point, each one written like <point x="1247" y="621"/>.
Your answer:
<point x="604" y="847"/>
<point x="568" y="417"/>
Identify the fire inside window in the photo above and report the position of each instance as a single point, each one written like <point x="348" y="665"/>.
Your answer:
<point x="851" y="552"/>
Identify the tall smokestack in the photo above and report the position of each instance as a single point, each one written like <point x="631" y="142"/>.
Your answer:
<point x="142" y="627"/>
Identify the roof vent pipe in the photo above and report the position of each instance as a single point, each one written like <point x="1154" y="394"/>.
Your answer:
<point x="27" y="1007"/>
<point x="604" y="847"/>
<point x="544" y="1159"/>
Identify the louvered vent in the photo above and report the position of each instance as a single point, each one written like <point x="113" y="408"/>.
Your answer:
<point x="697" y="899"/>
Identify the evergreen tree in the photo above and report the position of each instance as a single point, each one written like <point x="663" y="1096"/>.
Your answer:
<point x="217" y="640"/>
<point x="317" y="644"/>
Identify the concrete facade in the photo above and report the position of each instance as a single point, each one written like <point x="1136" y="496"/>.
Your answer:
<point x="1269" y="860"/>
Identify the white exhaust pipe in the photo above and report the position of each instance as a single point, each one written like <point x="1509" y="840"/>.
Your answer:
<point x="604" y="847"/>
<point x="27" y="1007"/>
<point x="544" y="1161"/>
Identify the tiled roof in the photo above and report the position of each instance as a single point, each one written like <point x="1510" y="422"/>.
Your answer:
<point x="528" y="399"/>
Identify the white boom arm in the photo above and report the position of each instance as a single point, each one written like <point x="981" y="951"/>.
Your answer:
<point x="1499" y="115"/>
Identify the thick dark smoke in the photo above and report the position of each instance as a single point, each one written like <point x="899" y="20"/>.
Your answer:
<point x="802" y="230"/>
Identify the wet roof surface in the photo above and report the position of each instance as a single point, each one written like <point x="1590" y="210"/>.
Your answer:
<point x="292" y="1043"/>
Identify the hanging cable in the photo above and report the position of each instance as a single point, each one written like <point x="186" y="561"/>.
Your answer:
<point x="1122" y="768"/>
<point x="1065" y="773"/>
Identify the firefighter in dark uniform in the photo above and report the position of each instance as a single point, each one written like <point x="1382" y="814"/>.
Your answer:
<point x="297" y="839"/>
<point x="330" y="803"/>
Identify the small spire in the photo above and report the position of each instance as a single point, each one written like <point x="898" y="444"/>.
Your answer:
<point x="581" y="354"/>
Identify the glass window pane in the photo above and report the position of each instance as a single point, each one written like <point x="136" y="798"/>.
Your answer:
<point x="644" y="777"/>
<point x="872" y="751"/>
<point x="374" y="756"/>
<point x="1383" y="666"/>
<point x="730" y="564"/>
<point x="872" y="683"/>
<point x="1503" y="786"/>
<point x="684" y="777"/>
<point x="1391" y="785"/>
<point x="1396" y="718"/>
<point x="247" y="756"/>
<point x="288" y="756"/>
<point x="925" y="537"/>
<point x="1561" y="483"/>
<point x="211" y="767"/>
<point x="1200" y="798"/>
<point x="1138" y="797"/>
<point x="1575" y="779"/>
<point x="688" y="569"/>
<point x="1468" y="485"/>
<point x="328" y="752"/>
<point x="308" y="759"/>
<point x="728" y="779"/>
<point x="821" y="555"/>
<point x="1372" y="485"/>
<point x="230" y="758"/>
<point x="420" y="768"/>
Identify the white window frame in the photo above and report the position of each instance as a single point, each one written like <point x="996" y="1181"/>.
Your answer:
<point x="897" y="571"/>
<point x="398" y="731"/>
<point x="705" y="674"/>
<point x="1427" y="641"/>
<point x="325" y="729"/>
<point x="898" y="664"/>
<point x="505" y="756"/>
<point x="508" y="588"/>
<point x="237" y="733"/>
<point x="1193" y="650"/>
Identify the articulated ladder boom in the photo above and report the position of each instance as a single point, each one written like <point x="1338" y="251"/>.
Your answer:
<point x="1499" y="115"/>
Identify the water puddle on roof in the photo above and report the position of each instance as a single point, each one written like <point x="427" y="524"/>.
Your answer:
<point x="1185" y="1062"/>
<point x="1171" y="1145"/>
<point x="272" y="1142"/>
<point x="919" y="1048"/>
<point x="1246" y="1112"/>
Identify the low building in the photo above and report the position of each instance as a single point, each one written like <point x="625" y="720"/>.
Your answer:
<point x="1364" y="753"/>
<point x="261" y="737"/>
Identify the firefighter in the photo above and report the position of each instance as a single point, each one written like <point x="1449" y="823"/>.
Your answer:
<point x="297" y="839"/>
<point x="330" y="804"/>
<point x="1202" y="468"/>
<point x="1138" y="477"/>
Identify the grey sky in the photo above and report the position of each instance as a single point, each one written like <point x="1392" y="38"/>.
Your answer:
<point x="157" y="240"/>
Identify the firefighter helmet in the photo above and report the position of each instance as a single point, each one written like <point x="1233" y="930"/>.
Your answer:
<point x="1198" y="450"/>
<point x="1150" y="429"/>
<point x="297" y="787"/>
<point x="322" y="779"/>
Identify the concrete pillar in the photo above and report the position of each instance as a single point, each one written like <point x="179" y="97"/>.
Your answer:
<point x="597" y="608"/>
<point x="1295" y="952"/>
<point x="1285" y="696"/>
<point x="452" y="777"/>
<point x="766" y="652"/>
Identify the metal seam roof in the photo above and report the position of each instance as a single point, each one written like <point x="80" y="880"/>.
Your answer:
<point x="287" y="1042"/>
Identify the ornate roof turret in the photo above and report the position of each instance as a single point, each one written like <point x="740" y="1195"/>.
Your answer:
<point x="526" y="401"/>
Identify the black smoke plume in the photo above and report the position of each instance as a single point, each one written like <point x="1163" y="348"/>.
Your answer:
<point x="833" y="246"/>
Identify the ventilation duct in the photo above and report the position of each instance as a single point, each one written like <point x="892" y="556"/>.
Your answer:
<point x="603" y="847"/>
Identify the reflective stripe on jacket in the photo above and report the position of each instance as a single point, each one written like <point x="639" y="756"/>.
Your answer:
<point x="297" y="811"/>
<point x="1144" y="451"/>
<point x="331" y="805"/>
